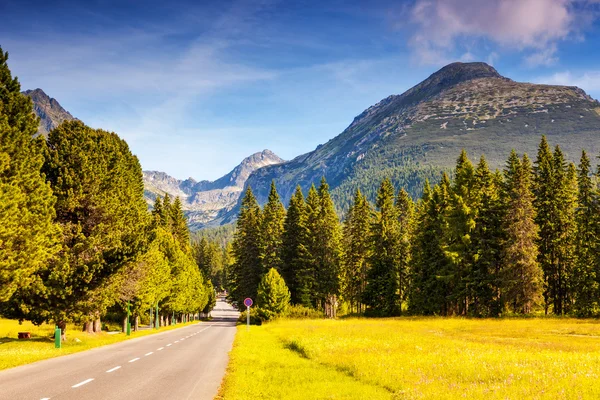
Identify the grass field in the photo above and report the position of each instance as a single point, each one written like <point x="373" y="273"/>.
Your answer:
<point x="416" y="358"/>
<point x="14" y="352"/>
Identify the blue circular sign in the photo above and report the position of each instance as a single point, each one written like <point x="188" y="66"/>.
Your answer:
<point x="248" y="302"/>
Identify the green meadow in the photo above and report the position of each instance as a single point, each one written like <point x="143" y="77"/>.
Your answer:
<point x="416" y="358"/>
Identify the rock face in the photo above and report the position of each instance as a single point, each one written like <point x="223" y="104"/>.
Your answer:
<point x="206" y="202"/>
<point x="417" y="134"/>
<point x="49" y="111"/>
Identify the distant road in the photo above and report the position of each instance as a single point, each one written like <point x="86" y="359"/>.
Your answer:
<point x="186" y="363"/>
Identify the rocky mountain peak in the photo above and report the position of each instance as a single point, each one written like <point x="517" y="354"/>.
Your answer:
<point x="49" y="111"/>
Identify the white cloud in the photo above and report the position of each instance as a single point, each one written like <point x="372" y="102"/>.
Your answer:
<point x="533" y="26"/>
<point x="588" y="80"/>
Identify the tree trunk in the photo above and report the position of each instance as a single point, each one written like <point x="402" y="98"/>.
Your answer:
<point x="124" y="324"/>
<point x="63" y="330"/>
<point x="136" y="323"/>
<point x="97" y="325"/>
<point x="88" y="327"/>
<point x="162" y="320"/>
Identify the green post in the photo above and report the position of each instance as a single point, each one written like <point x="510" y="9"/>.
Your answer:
<point x="128" y="323"/>
<point x="57" y="334"/>
<point x="173" y="321"/>
<point x="156" y="318"/>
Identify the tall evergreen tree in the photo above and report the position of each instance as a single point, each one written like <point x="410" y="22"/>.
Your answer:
<point x="383" y="292"/>
<point x="546" y="217"/>
<point x="28" y="237"/>
<point x="246" y="271"/>
<point x="179" y="226"/>
<point x="307" y="277"/>
<point x="406" y="209"/>
<point x="329" y="252"/>
<point x="522" y="276"/>
<point x="272" y="231"/>
<point x="461" y="222"/>
<point x="486" y="239"/>
<point x="357" y="249"/>
<point x="587" y="295"/>
<point x="295" y="252"/>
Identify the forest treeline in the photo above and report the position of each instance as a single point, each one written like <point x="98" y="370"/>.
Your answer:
<point x="76" y="237"/>
<point x="485" y="243"/>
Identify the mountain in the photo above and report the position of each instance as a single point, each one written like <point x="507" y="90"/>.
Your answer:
<point x="205" y="203"/>
<point x="49" y="111"/>
<point x="418" y="134"/>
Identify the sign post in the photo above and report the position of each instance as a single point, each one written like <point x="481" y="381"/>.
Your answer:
<point x="248" y="304"/>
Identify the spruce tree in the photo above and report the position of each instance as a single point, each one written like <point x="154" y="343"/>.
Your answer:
<point x="383" y="293"/>
<point x="246" y="271"/>
<point x="486" y="239"/>
<point x="356" y="249"/>
<point x="307" y="277"/>
<point x="405" y="208"/>
<point x="521" y="275"/>
<point x="585" y="280"/>
<point x="29" y="238"/>
<point x="179" y="226"/>
<point x="294" y="253"/>
<point x="461" y="222"/>
<point x="329" y="252"/>
<point x="272" y="231"/>
<point x="546" y="218"/>
<point x="273" y="294"/>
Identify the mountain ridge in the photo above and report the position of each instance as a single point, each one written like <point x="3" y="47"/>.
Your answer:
<point x="419" y="133"/>
<point x="204" y="202"/>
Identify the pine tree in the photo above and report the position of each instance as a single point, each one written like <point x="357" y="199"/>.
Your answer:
<point x="29" y="238"/>
<point x="383" y="292"/>
<point x="546" y="218"/>
<point x="307" y="277"/>
<point x="357" y="249"/>
<point x="179" y="226"/>
<point x="406" y="209"/>
<point x="461" y="222"/>
<point x="157" y="211"/>
<point x="586" y="287"/>
<point x="522" y="276"/>
<point x="329" y="252"/>
<point x="295" y="252"/>
<point x="246" y="271"/>
<point x="565" y="201"/>
<point x="487" y="241"/>
<point x="273" y="295"/>
<point x="100" y="207"/>
<point x="272" y="231"/>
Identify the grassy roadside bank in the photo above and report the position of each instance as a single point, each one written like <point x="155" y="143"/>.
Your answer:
<point x="15" y="352"/>
<point x="416" y="358"/>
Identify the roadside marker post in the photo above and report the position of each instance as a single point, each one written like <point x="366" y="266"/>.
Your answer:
<point x="57" y="334"/>
<point x="248" y="304"/>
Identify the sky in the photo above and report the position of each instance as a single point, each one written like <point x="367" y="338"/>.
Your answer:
<point x="194" y="87"/>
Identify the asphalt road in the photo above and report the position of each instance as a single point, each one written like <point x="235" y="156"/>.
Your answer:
<point x="186" y="363"/>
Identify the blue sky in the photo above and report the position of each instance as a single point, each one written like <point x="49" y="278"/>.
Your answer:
<point x="194" y="87"/>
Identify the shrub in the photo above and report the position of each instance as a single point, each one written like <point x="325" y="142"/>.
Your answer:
<point x="302" y="312"/>
<point x="273" y="295"/>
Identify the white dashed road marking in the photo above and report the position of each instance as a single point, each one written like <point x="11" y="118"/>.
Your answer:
<point x="134" y="360"/>
<point x="160" y="348"/>
<point x="147" y="354"/>
<point x="82" y="383"/>
<point x="114" y="369"/>
<point x="168" y="344"/>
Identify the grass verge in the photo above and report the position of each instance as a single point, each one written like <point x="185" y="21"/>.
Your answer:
<point x="15" y="352"/>
<point x="416" y="358"/>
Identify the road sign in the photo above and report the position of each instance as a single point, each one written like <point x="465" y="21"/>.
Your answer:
<point x="248" y="302"/>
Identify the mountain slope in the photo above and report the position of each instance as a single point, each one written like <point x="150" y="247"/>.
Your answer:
<point x="205" y="202"/>
<point x="416" y="135"/>
<point x="49" y="111"/>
